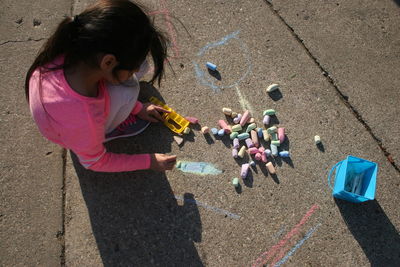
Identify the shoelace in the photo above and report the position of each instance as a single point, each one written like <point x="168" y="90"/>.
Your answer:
<point x="130" y="120"/>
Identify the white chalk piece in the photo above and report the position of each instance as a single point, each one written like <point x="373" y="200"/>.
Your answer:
<point x="205" y="130"/>
<point x="178" y="164"/>
<point x="317" y="139"/>
<point x="214" y="131"/>
<point x="252" y="163"/>
<point x="272" y="88"/>
<point x="178" y="139"/>
<point x="211" y="66"/>
<point x="227" y="111"/>
<point x="187" y="130"/>
<point x="270" y="168"/>
<point x="221" y="132"/>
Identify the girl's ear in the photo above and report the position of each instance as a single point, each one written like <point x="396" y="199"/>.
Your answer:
<point x="108" y="62"/>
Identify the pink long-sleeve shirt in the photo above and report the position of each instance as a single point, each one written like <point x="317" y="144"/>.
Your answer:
<point x="77" y="122"/>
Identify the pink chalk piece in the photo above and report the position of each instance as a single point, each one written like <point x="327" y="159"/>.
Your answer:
<point x="261" y="149"/>
<point x="245" y="118"/>
<point x="281" y="134"/>
<point x="234" y="153"/>
<point x="192" y="120"/>
<point x="258" y="156"/>
<point x="245" y="170"/>
<point x="264" y="158"/>
<point x="224" y="126"/>
<point x="253" y="150"/>
<point x="254" y="138"/>
<point x="249" y="143"/>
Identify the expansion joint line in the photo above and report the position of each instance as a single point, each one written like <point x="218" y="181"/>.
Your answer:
<point x="342" y="96"/>
<point x="61" y="235"/>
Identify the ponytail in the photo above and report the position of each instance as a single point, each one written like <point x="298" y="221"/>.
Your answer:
<point x="117" y="27"/>
<point x="56" y="45"/>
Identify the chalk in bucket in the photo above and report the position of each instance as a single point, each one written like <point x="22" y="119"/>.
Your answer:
<point x="355" y="179"/>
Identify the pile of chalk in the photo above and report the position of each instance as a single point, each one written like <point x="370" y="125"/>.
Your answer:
<point x="246" y="137"/>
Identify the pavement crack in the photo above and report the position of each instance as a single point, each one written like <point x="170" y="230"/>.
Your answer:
<point x="61" y="234"/>
<point x="342" y="96"/>
<point x="22" y="41"/>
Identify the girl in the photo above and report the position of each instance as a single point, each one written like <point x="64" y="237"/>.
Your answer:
<point x="83" y="86"/>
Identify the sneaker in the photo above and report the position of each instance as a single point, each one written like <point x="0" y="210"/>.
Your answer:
<point x="130" y="127"/>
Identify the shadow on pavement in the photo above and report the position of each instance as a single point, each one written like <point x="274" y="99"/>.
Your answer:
<point x="373" y="230"/>
<point x="135" y="217"/>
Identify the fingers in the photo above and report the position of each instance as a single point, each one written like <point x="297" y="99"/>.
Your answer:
<point x="158" y="108"/>
<point x="170" y="159"/>
<point x="156" y="115"/>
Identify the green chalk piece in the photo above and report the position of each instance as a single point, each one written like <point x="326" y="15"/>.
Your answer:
<point x="233" y="135"/>
<point x="272" y="130"/>
<point x="236" y="128"/>
<point x="274" y="137"/>
<point x="275" y="142"/>
<point x="251" y="126"/>
<point x="235" y="182"/>
<point x="269" y="112"/>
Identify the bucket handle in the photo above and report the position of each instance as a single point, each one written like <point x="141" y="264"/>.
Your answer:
<point x="330" y="173"/>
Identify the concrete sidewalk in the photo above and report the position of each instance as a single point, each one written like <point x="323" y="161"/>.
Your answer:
<point x="182" y="219"/>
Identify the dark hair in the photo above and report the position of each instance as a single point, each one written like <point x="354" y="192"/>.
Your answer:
<point x="118" y="27"/>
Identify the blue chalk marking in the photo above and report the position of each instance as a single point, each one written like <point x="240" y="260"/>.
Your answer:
<point x="222" y="42"/>
<point x="201" y="168"/>
<point x="298" y="245"/>
<point x="205" y="79"/>
<point x="218" y="210"/>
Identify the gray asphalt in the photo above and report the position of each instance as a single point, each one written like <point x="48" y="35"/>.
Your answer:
<point x="337" y="64"/>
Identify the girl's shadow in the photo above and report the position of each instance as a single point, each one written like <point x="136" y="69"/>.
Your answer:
<point x="135" y="216"/>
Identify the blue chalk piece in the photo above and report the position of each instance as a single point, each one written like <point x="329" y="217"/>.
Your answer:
<point x="214" y="131"/>
<point x="243" y="136"/>
<point x="284" y="154"/>
<point x="211" y="66"/>
<point x="260" y="133"/>
<point x="221" y="132"/>
<point x="252" y="163"/>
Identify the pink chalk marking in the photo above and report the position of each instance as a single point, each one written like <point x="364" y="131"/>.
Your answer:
<point x="170" y="28"/>
<point x="263" y="258"/>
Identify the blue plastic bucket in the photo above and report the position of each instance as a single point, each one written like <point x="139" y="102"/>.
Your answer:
<point x="355" y="179"/>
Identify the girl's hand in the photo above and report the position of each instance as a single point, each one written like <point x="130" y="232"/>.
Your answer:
<point x="162" y="162"/>
<point x="151" y="112"/>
